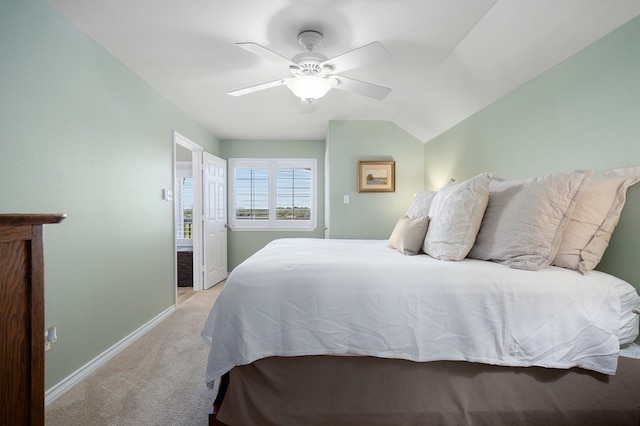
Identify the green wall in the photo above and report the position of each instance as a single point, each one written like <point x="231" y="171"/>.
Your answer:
<point x="242" y="244"/>
<point x="370" y="215"/>
<point x="81" y="134"/>
<point x="582" y="114"/>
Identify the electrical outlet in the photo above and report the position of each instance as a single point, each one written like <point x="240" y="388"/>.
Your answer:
<point x="50" y="336"/>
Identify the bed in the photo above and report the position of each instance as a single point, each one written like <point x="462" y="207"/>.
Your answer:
<point x="313" y="331"/>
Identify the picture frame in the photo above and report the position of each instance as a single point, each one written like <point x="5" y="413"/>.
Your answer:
<point x="376" y="176"/>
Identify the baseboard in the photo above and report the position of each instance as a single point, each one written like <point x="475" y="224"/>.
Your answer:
<point x="63" y="386"/>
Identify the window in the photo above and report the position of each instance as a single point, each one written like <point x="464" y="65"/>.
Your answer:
<point x="184" y="205"/>
<point x="272" y="194"/>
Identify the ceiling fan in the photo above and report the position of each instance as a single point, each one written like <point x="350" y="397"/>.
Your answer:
<point x="313" y="74"/>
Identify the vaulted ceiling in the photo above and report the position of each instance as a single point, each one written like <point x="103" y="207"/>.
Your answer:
<point x="448" y="58"/>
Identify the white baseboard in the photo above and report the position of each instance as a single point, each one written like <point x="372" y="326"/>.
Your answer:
<point x="63" y="386"/>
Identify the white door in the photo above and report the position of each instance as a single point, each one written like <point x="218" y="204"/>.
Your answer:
<point x="214" y="176"/>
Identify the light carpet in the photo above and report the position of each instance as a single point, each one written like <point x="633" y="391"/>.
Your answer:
<point x="157" y="380"/>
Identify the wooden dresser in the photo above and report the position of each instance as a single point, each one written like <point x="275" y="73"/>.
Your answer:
<point x="22" y="326"/>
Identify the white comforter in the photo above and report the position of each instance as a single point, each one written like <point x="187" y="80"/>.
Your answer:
<point x="314" y="296"/>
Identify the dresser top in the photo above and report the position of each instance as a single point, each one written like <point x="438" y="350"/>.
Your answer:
<point x="31" y="218"/>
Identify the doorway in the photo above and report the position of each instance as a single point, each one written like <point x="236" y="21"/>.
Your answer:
<point x="200" y="233"/>
<point x="187" y="235"/>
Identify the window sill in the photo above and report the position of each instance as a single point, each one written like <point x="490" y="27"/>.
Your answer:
<point x="241" y="229"/>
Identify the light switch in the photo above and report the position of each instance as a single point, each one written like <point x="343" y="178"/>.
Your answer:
<point x="346" y="199"/>
<point x="167" y="195"/>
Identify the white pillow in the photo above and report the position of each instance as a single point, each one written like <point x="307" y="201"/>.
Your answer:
<point x="525" y="219"/>
<point x="408" y="234"/>
<point x="594" y="218"/>
<point x="420" y="204"/>
<point x="454" y="218"/>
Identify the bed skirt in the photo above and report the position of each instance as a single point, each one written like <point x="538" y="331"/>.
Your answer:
<point x="330" y="390"/>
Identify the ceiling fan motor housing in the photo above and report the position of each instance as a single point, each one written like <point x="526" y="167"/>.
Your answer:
<point x="310" y="63"/>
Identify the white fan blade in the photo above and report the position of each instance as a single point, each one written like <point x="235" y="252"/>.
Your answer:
<point x="257" y="87"/>
<point x="308" y="106"/>
<point x="361" y="87"/>
<point x="369" y="53"/>
<point x="267" y="53"/>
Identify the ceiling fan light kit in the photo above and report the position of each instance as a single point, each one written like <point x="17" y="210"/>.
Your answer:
<point x="313" y="73"/>
<point x="309" y="87"/>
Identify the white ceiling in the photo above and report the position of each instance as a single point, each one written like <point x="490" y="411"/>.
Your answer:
<point x="449" y="58"/>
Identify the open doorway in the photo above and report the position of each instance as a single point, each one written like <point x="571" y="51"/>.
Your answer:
<point x="187" y="217"/>
<point x="183" y="198"/>
<point x="200" y="215"/>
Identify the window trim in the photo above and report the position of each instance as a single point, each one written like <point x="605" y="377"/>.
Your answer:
<point x="272" y="224"/>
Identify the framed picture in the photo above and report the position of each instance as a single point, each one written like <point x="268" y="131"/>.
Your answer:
<point x="376" y="176"/>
